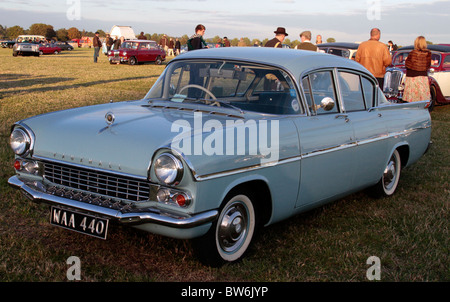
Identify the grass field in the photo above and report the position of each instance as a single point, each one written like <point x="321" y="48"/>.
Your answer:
<point x="408" y="232"/>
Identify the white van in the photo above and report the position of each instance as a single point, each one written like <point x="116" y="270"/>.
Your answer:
<point x="32" y="38"/>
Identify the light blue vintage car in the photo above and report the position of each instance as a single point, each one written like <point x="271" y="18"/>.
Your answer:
<point x="227" y="140"/>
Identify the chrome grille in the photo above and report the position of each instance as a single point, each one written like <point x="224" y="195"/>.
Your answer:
<point x="392" y="81"/>
<point x="97" y="182"/>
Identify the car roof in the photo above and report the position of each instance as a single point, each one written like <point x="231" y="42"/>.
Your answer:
<point x="293" y="60"/>
<point x="340" y="45"/>
<point x="440" y="48"/>
<point x="139" y="41"/>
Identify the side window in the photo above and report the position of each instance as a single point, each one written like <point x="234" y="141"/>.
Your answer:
<point x="320" y="91"/>
<point x="340" y="52"/>
<point x="400" y="58"/>
<point x="351" y="91"/>
<point x="368" y="89"/>
<point x="435" y="59"/>
<point x="447" y="61"/>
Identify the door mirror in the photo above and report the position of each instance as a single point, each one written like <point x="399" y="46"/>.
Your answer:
<point x="327" y="104"/>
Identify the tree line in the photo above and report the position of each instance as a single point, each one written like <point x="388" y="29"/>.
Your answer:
<point x="64" y="34"/>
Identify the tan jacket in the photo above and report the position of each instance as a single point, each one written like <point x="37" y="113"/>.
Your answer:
<point x="375" y="56"/>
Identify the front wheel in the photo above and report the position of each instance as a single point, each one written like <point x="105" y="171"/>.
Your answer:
<point x="390" y="178"/>
<point x="231" y="235"/>
<point x="132" y="61"/>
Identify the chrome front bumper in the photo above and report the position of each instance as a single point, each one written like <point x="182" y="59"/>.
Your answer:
<point x="35" y="191"/>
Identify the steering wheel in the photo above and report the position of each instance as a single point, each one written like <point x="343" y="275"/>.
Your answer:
<point x="201" y="88"/>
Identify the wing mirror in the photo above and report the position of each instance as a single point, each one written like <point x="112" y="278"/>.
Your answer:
<point x="327" y="104"/>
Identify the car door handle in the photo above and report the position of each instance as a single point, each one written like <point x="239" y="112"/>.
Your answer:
<point x="344" y="116"/>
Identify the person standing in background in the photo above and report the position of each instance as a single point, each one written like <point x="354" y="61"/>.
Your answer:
<point x="417" y="87"/>
<point x="306" y="44"/>
<point x="196" y="41"/>
<point x="97" y="45"/>
<point x="177" y="46"/>
<point x="374" y="56"/>
<point x="318" y="39"/>
<point x="280" y="35"/>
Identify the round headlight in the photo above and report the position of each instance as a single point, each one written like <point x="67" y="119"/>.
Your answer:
<point x="168" y="169"/>
<point x="20" y="141"/>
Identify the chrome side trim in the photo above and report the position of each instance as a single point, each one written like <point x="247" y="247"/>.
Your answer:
<point x="328" y="150"/>
<point x="245" y="169"/>
<point x="33" y="191"/>
<point x="306" y="155"/>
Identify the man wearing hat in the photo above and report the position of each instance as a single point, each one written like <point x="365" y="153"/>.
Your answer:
<point x="306" y="44"/>
<point x="97" y="45"/>
<point x="276" y="42"/>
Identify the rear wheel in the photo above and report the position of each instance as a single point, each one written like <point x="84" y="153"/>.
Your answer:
<point x="158" y="60"/>
<point x="231" y="235"/>
<point x="391" y="176"/>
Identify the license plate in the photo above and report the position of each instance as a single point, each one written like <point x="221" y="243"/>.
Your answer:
<point x="82" y="223"/>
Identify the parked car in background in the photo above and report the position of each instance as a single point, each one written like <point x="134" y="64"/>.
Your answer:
<point x="86" y="42"/>
<point x="342" y="49"/>
<point x="75" y="43"/>
<point x="137" y="51"/>
<point x="7" y="44"/>
<point x="226" y="141"/>
<point x="46" y="49"/>
<point x="26" y="49"/>
<point x="438" y="75"/>
<point x="64" y="45"/>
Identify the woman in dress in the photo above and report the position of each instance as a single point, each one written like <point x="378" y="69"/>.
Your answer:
<point x="417" y="87"/>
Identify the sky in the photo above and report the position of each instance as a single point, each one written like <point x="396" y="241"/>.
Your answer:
<point x="343" y="20"/>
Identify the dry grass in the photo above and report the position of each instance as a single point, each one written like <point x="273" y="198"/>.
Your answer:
<point x="408" y="232"/>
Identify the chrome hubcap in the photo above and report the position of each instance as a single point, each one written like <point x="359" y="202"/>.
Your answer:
<point x="389" y="175"/>
<point x="233" y="228"/>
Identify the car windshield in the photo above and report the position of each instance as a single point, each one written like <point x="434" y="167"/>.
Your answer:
<point x="249" y="87"/>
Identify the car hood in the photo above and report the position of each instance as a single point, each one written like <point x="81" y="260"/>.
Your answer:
<point x="82" y="136"/>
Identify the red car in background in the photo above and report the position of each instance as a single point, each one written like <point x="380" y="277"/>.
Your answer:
<point x="46" y="49"/>
<point x="438" y="74"/>
<point x="137" y="51"/>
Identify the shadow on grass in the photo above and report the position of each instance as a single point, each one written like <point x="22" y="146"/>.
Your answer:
<point x="58" y="88"/>
<point x="21" y="82"/>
